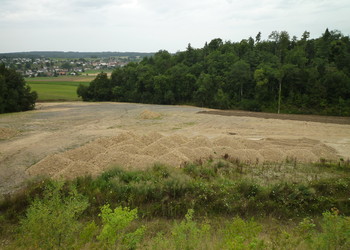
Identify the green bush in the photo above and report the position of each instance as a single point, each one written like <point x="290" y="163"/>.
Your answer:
<point x="51" y="222"/>
<point x="335" y="232"/>
<point x="243" y="234"/>
<point x="56" y="218"/>
<point x="115" y="224"/>
<point x="187" y="234"/>
<point x="331" y="232"/>
<point x="211" y="188"/>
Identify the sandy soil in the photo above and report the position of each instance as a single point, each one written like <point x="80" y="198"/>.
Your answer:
<point x="7" y="133"/>
<point x="76" y="138"/>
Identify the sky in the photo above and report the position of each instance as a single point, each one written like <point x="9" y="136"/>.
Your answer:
<point x="153" y="25"/>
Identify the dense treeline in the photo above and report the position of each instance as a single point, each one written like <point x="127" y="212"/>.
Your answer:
<point x="15" y="94"/>
<point x="282" y="73"/>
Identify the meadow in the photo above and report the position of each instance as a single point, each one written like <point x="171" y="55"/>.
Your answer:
<point x="63" y="88"/>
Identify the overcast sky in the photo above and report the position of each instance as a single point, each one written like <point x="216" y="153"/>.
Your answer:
<point x="151" y="25"/>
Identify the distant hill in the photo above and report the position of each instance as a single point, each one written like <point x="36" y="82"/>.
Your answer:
<point x="71" y="54"/>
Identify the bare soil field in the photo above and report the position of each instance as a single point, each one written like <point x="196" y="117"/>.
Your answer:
<point x="65" y="140"/>
<point x="294" y="117"/>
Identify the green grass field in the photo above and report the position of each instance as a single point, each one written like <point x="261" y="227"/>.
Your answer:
<point x="57" y="88"/>
<point x="97" y="71"/>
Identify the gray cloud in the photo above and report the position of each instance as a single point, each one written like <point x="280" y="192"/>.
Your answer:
<point x="150" y="25"/>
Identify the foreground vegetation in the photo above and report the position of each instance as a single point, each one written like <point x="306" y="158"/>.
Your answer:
<point x="281" y="74"/>
<point x="210" y="205"/>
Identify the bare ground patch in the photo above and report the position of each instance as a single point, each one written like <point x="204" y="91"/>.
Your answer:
<point x="77" y="138"/>
<point x="293" y="117"/>
<point x="7" y="133"/>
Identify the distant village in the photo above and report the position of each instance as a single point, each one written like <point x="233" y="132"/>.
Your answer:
<point x="41" y="67"/>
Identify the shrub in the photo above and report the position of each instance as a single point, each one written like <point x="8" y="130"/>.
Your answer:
<point x="241" y="234"/>
<point x="52" y="222"/>
<point x="187" y="234"/>
<point x="335" y="232"/>
<point x="115" y="225"/>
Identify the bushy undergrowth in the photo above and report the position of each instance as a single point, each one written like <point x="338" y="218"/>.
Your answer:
<point x="56" y="226"/>
<point x="114" y="209"/>
<point x="51" y="222"/>
<point x="215" y="188"/>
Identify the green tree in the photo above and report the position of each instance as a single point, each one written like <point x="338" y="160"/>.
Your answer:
<point x="163" y="90"/>
<point x="281" y="40"/>
<point x="162" y="61"/>
<point x="191" y="56"/>
<point x="182" y="82"/>
<point x="83" y="92"/>
<point x="145" y="84"/>
<point x="238" y="75"/>
<point x="206" y="90"/>
<point x="258" y="37"/>
<point x="221" y="100"/>
<point x="15" y="94"/>
<point x="101" y="88"/>
<point x="66" y="65"/>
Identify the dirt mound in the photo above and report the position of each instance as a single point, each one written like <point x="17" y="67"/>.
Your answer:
<point x="228" y="141"/>
<point x="272" y="154"/>
<point x="147" y="114"/>
<point x="7" y="133"/>
<point x="131" y="150"/>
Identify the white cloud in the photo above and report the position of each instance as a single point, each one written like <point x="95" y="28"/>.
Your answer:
<point x="150" y="25"/>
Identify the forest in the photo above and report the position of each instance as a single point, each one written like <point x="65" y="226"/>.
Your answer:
<point x="281" y="74"/>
